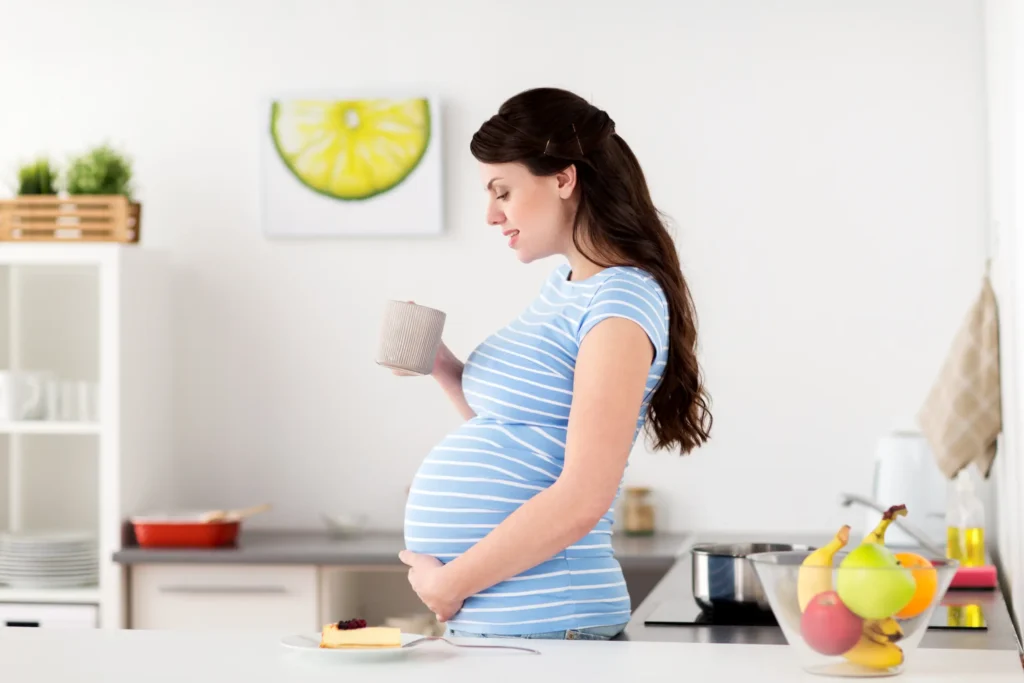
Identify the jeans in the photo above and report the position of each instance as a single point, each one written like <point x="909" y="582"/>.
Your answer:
<point x="590" y="633"/>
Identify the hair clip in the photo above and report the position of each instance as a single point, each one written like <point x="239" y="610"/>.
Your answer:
<point x="547" y="146"/>
<point x="578" y="143"/>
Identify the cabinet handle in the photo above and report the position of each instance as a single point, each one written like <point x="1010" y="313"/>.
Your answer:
<point x="22" y="624"/>
<point x="224" y="590"/>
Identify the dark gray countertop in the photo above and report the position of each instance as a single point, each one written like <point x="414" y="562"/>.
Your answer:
<point x="676" y="585"/>
<point x="376" y="548"/>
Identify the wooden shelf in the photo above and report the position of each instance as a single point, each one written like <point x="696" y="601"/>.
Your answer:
<point x="49" y="427"/>
<point x="83" y="596"/>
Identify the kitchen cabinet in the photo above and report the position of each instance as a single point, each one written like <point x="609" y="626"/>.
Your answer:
<point x="296" y="597"/>
<point x="172" y="596"/>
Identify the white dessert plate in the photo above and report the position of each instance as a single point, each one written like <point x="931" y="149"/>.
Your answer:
<point x="409" y="642"/>
<point x="311" y="643"/>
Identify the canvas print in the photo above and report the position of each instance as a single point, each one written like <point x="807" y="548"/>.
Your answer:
<point x="352" y="166"/>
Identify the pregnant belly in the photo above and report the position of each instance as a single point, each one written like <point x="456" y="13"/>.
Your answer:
<point x="468" y="485"/>
<point x="446" y="515"/>
<point x="449" y="536"/>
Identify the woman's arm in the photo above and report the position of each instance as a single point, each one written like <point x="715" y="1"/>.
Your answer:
<point x="611" y="374"/>
<point x="448" y="373"/>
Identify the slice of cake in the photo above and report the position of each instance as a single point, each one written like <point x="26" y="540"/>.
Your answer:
<point x="354" y="633"/>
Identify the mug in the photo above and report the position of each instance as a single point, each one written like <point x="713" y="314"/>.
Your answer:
<point x="72" y="400"/>
<point x="409" y="338"/>
<point x="23" y="395"/>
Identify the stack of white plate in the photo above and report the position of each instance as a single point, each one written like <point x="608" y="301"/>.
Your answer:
<point x="48" y="560"/>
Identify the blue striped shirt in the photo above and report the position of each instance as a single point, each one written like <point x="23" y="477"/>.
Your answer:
<point x="519" y="382"/>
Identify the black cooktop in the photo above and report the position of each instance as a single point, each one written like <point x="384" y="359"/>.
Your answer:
<point x="687" y="613"/>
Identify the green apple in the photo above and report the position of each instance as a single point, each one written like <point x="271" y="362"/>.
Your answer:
<point x="872" y="583"/>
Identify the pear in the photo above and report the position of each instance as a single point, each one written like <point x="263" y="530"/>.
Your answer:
<point x="870" y="580"/>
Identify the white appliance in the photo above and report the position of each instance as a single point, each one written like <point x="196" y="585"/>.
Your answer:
<point x="906" y="472"/>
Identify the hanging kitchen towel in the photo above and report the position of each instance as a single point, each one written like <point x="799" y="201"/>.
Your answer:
<point x="962" y="414"/>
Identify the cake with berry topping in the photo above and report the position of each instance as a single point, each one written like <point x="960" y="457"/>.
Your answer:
<point x="354" y="633"/>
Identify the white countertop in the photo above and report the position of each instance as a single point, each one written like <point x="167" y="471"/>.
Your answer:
<point x="131" y="656"/>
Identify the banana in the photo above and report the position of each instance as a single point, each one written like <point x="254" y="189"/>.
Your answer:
<point x="815" y="574"/>
<point x="883" y="631"/>
<point x="878" y="535"/>
<point x="870" y="653"/>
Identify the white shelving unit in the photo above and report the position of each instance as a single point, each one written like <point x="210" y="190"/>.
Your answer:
<point x="100" y="313"/>
<point x="66" y="596"/>
<point x="48" y="427"/>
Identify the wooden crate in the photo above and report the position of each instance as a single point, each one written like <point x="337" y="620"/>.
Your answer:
<point x="78" y="218"/>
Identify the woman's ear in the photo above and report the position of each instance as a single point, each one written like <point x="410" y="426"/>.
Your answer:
<point x="566" y="179"/>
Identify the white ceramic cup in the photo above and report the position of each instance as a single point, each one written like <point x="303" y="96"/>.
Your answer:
<point x="409" y="338"/>
<point x="23" y="395"/>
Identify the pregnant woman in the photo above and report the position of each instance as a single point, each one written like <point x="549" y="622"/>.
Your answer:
<point x="509" y="519"/>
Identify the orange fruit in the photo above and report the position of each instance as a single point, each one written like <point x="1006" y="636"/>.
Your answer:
<point x="927" y="580"/>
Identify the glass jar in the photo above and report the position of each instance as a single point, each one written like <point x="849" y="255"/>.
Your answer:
<point x="638" y="512"/>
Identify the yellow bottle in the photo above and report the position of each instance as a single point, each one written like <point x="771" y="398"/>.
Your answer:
<point x="966" y="545"/>
<point x="965" y="523"/>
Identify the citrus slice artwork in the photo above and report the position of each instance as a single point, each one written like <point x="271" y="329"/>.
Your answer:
<point x="351" y="150"/>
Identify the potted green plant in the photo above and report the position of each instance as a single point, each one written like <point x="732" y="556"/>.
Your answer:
<point x="96" y="203"/>
<point x="100" y="171"/>
<point x="38" y="177"/>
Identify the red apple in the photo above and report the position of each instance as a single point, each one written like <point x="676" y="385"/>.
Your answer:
<point x="828" y="626"/>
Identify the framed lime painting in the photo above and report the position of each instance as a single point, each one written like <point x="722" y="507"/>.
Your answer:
<point x="365" y="165"/>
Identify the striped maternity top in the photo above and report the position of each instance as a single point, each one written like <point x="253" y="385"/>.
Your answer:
<point x="519" y="382"/>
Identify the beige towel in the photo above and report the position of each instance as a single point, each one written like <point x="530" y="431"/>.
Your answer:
<point x="962" y="415"/>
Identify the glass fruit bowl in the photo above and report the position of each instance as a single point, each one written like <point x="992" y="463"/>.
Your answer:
<point x="860" y="615"/>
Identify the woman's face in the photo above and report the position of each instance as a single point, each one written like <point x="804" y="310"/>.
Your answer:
<point x="535" y="214"/>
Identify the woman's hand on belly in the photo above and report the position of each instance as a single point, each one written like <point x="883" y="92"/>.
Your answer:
<point x="426" y="576"/>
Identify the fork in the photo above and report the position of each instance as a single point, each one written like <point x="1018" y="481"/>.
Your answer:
<point x="427" y="639"/>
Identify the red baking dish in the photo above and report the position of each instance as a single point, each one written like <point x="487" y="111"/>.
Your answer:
<point x="183" y="531"/>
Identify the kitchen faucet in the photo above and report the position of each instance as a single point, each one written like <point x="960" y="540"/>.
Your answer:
<point x="846" y="499"/>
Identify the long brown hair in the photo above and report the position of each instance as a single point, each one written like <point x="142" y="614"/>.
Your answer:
<point x="546" y="130"/>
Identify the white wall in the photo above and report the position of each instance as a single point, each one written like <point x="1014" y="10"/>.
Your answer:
<point x="1004" y="39"/>
<point x="824" y="164"/>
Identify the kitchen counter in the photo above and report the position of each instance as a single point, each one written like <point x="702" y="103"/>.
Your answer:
<point x="376" y="548"/>
<point x="666" y="553"/>
<point x="127" y="656"/>
<point x="676" y="586"/>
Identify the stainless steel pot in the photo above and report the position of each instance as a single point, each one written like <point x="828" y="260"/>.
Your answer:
<point x="725" y="580"/>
